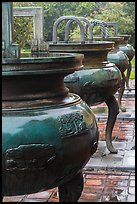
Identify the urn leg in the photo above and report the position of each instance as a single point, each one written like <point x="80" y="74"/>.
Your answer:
<point x="121" y="91"/>
<point x="71" y="191"/>
<point x="113" y="111"/>
<point x="128" y="76"/>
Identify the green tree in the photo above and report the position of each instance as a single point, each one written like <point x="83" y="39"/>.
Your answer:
<point x="23" y="31"/>
<point x="23" y="27"/>
<point x="54" y="10"/>
<point x="121" y="12"/>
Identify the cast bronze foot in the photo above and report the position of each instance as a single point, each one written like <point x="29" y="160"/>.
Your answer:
<point x="113" y="110"/>
<point x="121" y="91"/>
<point x="71" y="191"/>
<point x="128" y="76"/>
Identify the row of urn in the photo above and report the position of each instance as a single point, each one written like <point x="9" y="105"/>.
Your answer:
<point x="49" y="133"/>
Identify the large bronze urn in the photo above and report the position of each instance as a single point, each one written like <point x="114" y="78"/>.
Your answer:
<point x="116" y="56"/>
<point x="129" y="50"/>
<point x="99" y="80"/>
<point x="48" y="134"/>
<point x="126" y="48"/>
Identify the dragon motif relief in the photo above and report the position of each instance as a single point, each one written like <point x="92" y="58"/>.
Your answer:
<point x="71" y="124"/>
<point x="31" y="157"/>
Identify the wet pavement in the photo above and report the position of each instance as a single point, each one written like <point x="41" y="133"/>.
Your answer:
<point x="107" y="177"/>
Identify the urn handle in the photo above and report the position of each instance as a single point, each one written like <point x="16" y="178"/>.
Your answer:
<point x="68" y="24"/>
<point x="115" y="25"/>
<point x="103" y="25"/>
<point x="62" y="18"/>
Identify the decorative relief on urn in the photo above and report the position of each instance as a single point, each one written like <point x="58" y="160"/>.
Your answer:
<point x="32" y="157"/>
<point x="71" y="124"/>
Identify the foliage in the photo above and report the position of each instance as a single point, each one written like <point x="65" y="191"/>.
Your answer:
<point x="23" y="27"/>
<point x="121" y="12"/>
<point x="132" y="74"/>
<point x="54" y="10"/>
<point x="23" y="31"/>
<point x="133" y="62"/>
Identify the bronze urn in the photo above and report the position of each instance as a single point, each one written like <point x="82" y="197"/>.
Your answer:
<point x="48" y="134"/>
<point x="99" y="79"/>
<point x="116" y="56"/>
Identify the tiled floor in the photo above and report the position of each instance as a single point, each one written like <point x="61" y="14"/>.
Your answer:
<point x="107" y="177"/>
<point x="99" y="186"/>
<point x="123" y="138"/>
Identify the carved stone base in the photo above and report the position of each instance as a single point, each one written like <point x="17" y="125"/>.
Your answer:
<point x="71" y="191"/>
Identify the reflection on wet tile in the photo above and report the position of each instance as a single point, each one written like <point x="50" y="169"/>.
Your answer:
<point x="129" y="161"/>
<point x="130" y="198"/>
<point x="99" y="186"/>
<point x="131" y="190"/>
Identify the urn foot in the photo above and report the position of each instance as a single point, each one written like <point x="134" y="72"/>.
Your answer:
<point x="112" y="116"/>
<point x="128" y="76"/>
<point x="121" y="92"/>
<point x="71" y="191"/>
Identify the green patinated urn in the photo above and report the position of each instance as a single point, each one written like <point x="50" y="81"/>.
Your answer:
<point x="126" y="47"/>
<point x="130" y="52"/>
<point x="121" y="60"/>
<point x="99" y="78"/>
<point x="48" y="134"/>
<point x="116" y="56"/>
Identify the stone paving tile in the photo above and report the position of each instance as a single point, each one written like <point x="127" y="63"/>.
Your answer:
<point x="132" y="82"/>
<point x="40" y="195"/>
<point x="129" y="162"/>
<point x="128" y="93"/>
<point x="123" y="139"/>
<point x="115" y="186"/>
<point x="101" y="110"/>
<point x="99" y="186"/>
<point x="33" y="200"/>
<point x="130" y="198"/>
<point x="13" y="198"/>
<point x="131" y="190"/>
<point x="106" y="159"/>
